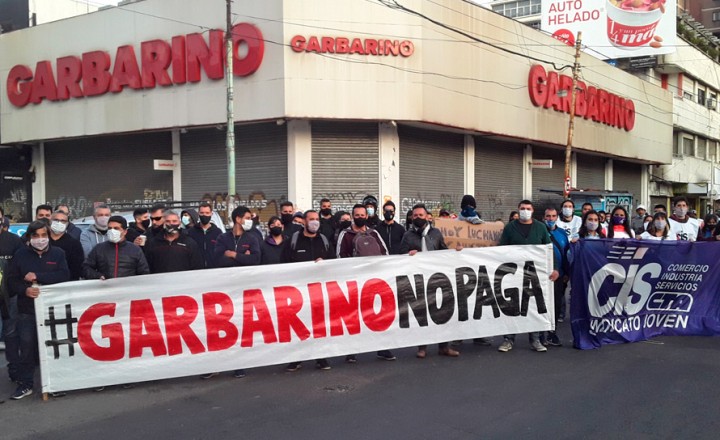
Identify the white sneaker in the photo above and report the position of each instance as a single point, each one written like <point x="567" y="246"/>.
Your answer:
<point x="506" y="346"/>
<point x="537" y="346"/>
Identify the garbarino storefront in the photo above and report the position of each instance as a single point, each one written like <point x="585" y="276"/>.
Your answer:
<point x="335" y="99"/>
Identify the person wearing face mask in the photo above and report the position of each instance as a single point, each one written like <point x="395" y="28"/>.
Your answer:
<point x="327" y="221"/>
<point x="568" y="221"/>
<point x="205" y="235"/>
<point x="95" y="234"/>
<point x="681" y="224"/>
<point x="361" y="241"/>
<point x="422" y="237"/>
<point x="343" y="220"/>
<point x="287" y="213"/>
<point x="172" y="251"/>
<point x="390" y="230"/>
<point x="61" y="239"/>
<point x="658" y="229"/>
<point x="371" y="204"/>
<point x="591" y="228"/>
<point x="619" y="224"/>
<point x="525" y="230"/>
<point x="139" y="226"/>
<point x="117" y="257"/>
<point x="238" y="247"/>
<point x="188" y="219"/>
<point x="707" y="233"/>
<point x="467" y="210"/>
<point x="72" y="230"/>
<point x="156" y="229"/>
<point x="561" y="249"/>
<point x="637" y="223"/>
<point x="37" y="264"/>
<point x="272" y="246"/>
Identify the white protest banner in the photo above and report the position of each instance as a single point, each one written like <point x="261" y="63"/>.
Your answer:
<point x="98" y="333"/>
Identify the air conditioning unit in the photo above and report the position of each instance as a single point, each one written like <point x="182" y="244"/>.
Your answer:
<point x="711" y="103"/>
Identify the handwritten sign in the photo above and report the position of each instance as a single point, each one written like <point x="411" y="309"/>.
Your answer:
<point x="469" y="235"/>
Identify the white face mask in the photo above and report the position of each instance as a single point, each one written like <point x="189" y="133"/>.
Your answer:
<point x="313" y="226"/>
<point x="591" y="226"/>
<point x="113" y="235"/>
<point x="660" y="225"/>
<point x="39" y="244"/>
<point x="681" y="212"/>
<point x="567" y="212"/>
<point x="645" y="225"/>
<point x="247" y="225"/>
<point x="58" y="227"/>
<point x="525" y="214"/>
<point x="101" y="222"/>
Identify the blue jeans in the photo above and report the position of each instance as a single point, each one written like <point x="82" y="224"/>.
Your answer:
<point x="532" y="336"/>
<point x="12" y="340"/>
<point x="27" y="334"/>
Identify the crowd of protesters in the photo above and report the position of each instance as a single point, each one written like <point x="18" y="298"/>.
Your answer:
<point x="54" y="250"/>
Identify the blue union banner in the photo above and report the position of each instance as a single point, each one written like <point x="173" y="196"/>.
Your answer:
<point x="632" y="290"/>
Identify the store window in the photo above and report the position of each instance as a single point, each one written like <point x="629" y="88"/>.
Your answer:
<point x="701" y="148"/>
<point x="688" y="146"/>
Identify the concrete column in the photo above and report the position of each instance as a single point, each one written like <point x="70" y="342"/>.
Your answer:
<point x="389" y="150"/>
<point x="573" y="170"/>
<point x="38" y="187"/>
<point x="527" y="173"/>
<point x="469" y="164"/>
<point x="609" y="175"/>
<point x="299" y="163"/>
<point x="177" y="171"/>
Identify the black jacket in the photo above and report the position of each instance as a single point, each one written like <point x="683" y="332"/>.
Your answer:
<point x="173" y="256"/>
<point x="291" y="228"/>
<point x="392" y="236"/>
<point x="271" y="251"/>
<point x="412" y="241"/>
<point x="306" y="248"/>
<point x="74" y="231"/>
<point x="115" y="260"/>
<point x="240" y="245"/>
<point x="206" y="240"/>
<point x="50" y="267"/>
<point x="133" y="232"/>
<point x="9" y="244"/>
<point x="73" y="253"/>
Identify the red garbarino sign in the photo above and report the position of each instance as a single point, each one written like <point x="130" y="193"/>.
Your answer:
<point x="126" y="330"/>
<point x="613" y="28"/>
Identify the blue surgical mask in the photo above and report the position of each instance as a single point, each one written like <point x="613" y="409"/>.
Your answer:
<point x="550" y="223"/>
<point x="371" y="212"/>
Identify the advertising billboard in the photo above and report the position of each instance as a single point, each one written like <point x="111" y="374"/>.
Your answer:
<point x="613" y="28"/>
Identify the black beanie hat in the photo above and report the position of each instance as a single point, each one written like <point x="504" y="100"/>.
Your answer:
<point x="468" y="200"/>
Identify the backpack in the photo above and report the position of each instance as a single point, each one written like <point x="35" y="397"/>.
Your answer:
<point x="366" y="245"/>
<point x="294" y="239"/>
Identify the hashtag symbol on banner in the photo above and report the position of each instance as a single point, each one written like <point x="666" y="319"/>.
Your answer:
<point x="53" y="323"/>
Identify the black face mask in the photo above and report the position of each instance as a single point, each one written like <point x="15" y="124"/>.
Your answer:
<point x="346" y="224"/>
<point x="158" y="228"/>
<point x="145" y="224"/>
<point x="388" y="215"/>
<point x="205" y="219"/>
<point x="360" y="222"/>
<point x="275" y="231"/>
<point x="419" y="223"/>
<point x="286" y="219"/>
<point x="326" y="212"/>
<point x="171" y="229"/>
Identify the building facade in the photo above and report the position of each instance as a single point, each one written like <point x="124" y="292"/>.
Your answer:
<point x="340" y="100"/>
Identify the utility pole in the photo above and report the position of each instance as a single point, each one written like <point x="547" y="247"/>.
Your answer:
<point x="230" y="137"/>
<point x="571" y="125"/>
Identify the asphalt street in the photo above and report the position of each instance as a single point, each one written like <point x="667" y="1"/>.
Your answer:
<point x="665" y="388"/>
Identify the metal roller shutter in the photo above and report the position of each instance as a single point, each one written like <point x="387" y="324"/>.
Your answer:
<point x="627" y="177"/>
<point x="345" y="162"/>
<point x="260" y="164"/>
<point x="590" y="172"/>
<point x="548" y="179"/>
<point x="115" y="169"/>
<point x="498" y="178"/>
<point x="431" y="169"/>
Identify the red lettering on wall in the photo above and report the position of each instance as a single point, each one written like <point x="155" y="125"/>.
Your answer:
<point x="44" y="86"/>
<point x="19" y="85"/>
<point x="69" y="73"/>
<point x="126" y="71"/>
<point x="251" y="36"/>
<point x="156" y="58"/>
<point x="208" y="56"/>
<point x="95" y="75"/>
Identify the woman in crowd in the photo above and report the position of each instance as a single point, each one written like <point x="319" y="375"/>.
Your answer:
<point x="619" y="224"/>
<point x="658" y="229"/>
<point x="707" y="232"/>
<point x="272" y="245"/>
<point x="514" y="215"/>
<point x="591" y="228"/>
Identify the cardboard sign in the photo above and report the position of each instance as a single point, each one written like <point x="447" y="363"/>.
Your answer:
<point x="469" y="235"/>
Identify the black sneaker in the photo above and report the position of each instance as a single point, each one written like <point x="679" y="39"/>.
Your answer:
<point x="127" y="386"/>
<point x="57" y="394"/>
<point x="350" y="359"/>
<point x="386" y="355"/>
<point x="239" y="374"/>
<point x="98" y="389"/>
<point x="554" y="340"/>
<point x="322" y="364"/>
<point x="21" y="391"/>
<point x="208" y="376"/>
<point x="293" y="367"/>
<point x="484" y="342"/>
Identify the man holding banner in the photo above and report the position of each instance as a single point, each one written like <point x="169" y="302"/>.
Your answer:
<point x="525" y="230"/>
